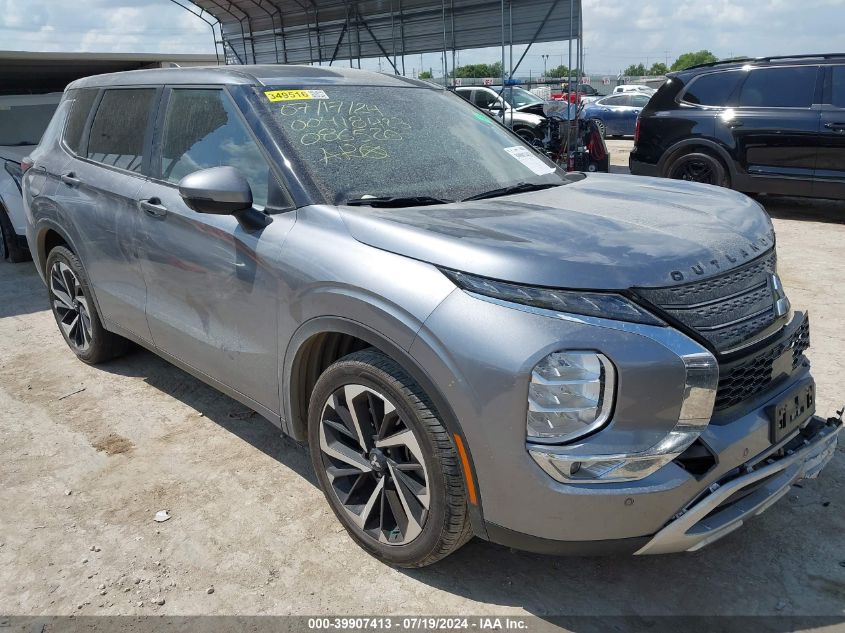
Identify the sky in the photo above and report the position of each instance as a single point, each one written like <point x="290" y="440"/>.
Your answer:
<point x="617" y="32"/>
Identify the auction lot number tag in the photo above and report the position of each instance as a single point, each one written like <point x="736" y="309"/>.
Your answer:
<point x="527" y="158"/>
<point x="295" y="95"/>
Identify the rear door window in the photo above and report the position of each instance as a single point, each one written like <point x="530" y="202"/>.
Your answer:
<point x="82" y="103"/>
<point x="714" y="89"/>
<point x="119" y="128"/>
<point x="202" y="129"/>
<point x="791" y="87"/>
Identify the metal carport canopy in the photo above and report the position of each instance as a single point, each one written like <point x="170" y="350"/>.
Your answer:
<point x="313" y="31"/>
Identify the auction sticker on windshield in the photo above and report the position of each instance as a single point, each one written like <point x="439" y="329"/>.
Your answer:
<point x="524" y="156"/>
<point x="295" y="95"/>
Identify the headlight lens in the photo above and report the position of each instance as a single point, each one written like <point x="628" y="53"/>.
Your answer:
<point x="595" y="304"/>
<point x="570" y="395"/>
<point x="702" y="379"/>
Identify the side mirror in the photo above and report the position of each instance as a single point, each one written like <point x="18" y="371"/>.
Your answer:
<point x="218" y="190"/>
<point x="495" y="107"/>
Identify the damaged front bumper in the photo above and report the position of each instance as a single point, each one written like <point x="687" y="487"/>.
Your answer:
<point x="749" y="490"/>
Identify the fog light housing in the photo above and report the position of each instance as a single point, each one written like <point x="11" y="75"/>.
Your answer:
<point x="570" y="396"/>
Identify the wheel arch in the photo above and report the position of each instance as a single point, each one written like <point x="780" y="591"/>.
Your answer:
<point x="323" y="340"/>
<point x="690" y="145"/>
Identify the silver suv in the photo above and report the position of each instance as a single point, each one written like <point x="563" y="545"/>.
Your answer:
<point x="470" y="340"/>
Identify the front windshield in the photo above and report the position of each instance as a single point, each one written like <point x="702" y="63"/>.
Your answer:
<point x="360" y="141"/>
<point x="521" y="97"/>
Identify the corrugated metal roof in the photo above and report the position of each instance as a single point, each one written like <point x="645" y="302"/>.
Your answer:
<point x="307" y="31"/>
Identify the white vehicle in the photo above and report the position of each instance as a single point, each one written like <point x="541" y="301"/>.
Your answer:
<point x="23" y="119"/>
<point x="627" y="88"/>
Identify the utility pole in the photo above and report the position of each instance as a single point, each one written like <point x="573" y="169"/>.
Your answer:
<point x="545" y="59"/>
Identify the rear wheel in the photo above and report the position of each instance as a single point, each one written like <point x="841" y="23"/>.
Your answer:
<point x="9" y="247"/>
<point x="75" y="312"/>
<point x="385" y="462"/>
<point x="699" y="167"/>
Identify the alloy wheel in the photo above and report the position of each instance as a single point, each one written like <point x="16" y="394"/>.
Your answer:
<point x="71" y="306"/>
<point x="602" y="127"/>
<point x="374" y="464"/>
<point x="694" y="171"/>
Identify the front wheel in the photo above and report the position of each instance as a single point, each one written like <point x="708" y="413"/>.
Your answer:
<point x="699" y="167"/>
<point x="386" y="464"/>
<point x="601" y="126"/>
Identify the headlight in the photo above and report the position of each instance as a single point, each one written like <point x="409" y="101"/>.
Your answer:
<point x="14" y="170"/>
<point x="596" y="304"/>
<point x="570" y="395"/>
<point x="702" y="379"/>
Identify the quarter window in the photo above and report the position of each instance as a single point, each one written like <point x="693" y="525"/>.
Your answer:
<point x="202" y="129"/>
<point x="119" y="128"/>
<point x="82" y="103"/>
<point x="779" y="87"/>
<point x="714" y="89"/>
<point x="838" y="86"/>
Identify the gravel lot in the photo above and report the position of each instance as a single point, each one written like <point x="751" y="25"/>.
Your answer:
<point x="89" y="455"/>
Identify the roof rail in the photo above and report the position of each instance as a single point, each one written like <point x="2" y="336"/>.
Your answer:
<point x="736" y="60"/>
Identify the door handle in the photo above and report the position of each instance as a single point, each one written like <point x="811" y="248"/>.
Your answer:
<point x="735" y="124"/>
<point x="153" y="207"/>
<point x="71" y="180"/>
<point x="835" y="126"/>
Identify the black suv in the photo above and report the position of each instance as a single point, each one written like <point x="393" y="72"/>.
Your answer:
<point x="768" y="125"/>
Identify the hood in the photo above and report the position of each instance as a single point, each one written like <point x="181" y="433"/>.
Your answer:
<point x="601" y="232"/>
<point x="15" y="152"/>
<point x="532" y="108"/>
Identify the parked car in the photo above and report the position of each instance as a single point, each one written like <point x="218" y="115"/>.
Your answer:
<point x="617" y="114"/>
<point x="23" y="119"/>
<point x="586" y="94"/>
<point x="771" y="125"/>
<point x="632" y="88"/>
<point x="519" y="109"/>
<point x="471" y="341"/>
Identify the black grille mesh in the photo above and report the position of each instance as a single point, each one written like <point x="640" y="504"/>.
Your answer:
<point x="751" y="375"/>
<point x="727" y="309"/>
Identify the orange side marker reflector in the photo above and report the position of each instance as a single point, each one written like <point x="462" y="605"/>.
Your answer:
<point x="467" y="471"/>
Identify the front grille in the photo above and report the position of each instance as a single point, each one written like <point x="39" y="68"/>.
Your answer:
<point x="727" y="309"/>
<point x="748" y="376"/>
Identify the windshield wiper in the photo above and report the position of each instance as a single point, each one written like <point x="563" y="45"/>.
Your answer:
<point x="396" y="201"/>
<point x="520" y="187"/>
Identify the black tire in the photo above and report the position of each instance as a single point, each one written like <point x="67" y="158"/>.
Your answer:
<point x="446" y="525"/>
<point x="699" y="167"/>
<point x="526" y="134"/>
<point x="9" y="247"/>
<point x="92" y="344"/>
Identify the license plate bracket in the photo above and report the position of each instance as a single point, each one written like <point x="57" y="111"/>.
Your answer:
<point x="792" y="410"/>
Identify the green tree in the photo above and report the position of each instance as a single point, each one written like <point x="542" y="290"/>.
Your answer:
<point x="635" y="70"/>
<point x="426" y="74"/>
<point x="477" y="71"/>
<point x="559" y="71"/>
<point x="658" y="68"/>
<point x="693" y="59"/>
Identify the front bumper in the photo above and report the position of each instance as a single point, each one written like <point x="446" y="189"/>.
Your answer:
<point x="486" y="387"/>
<point x="724" y="507"/>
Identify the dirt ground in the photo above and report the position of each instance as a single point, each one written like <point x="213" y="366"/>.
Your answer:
<point x="89" y="455"/>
